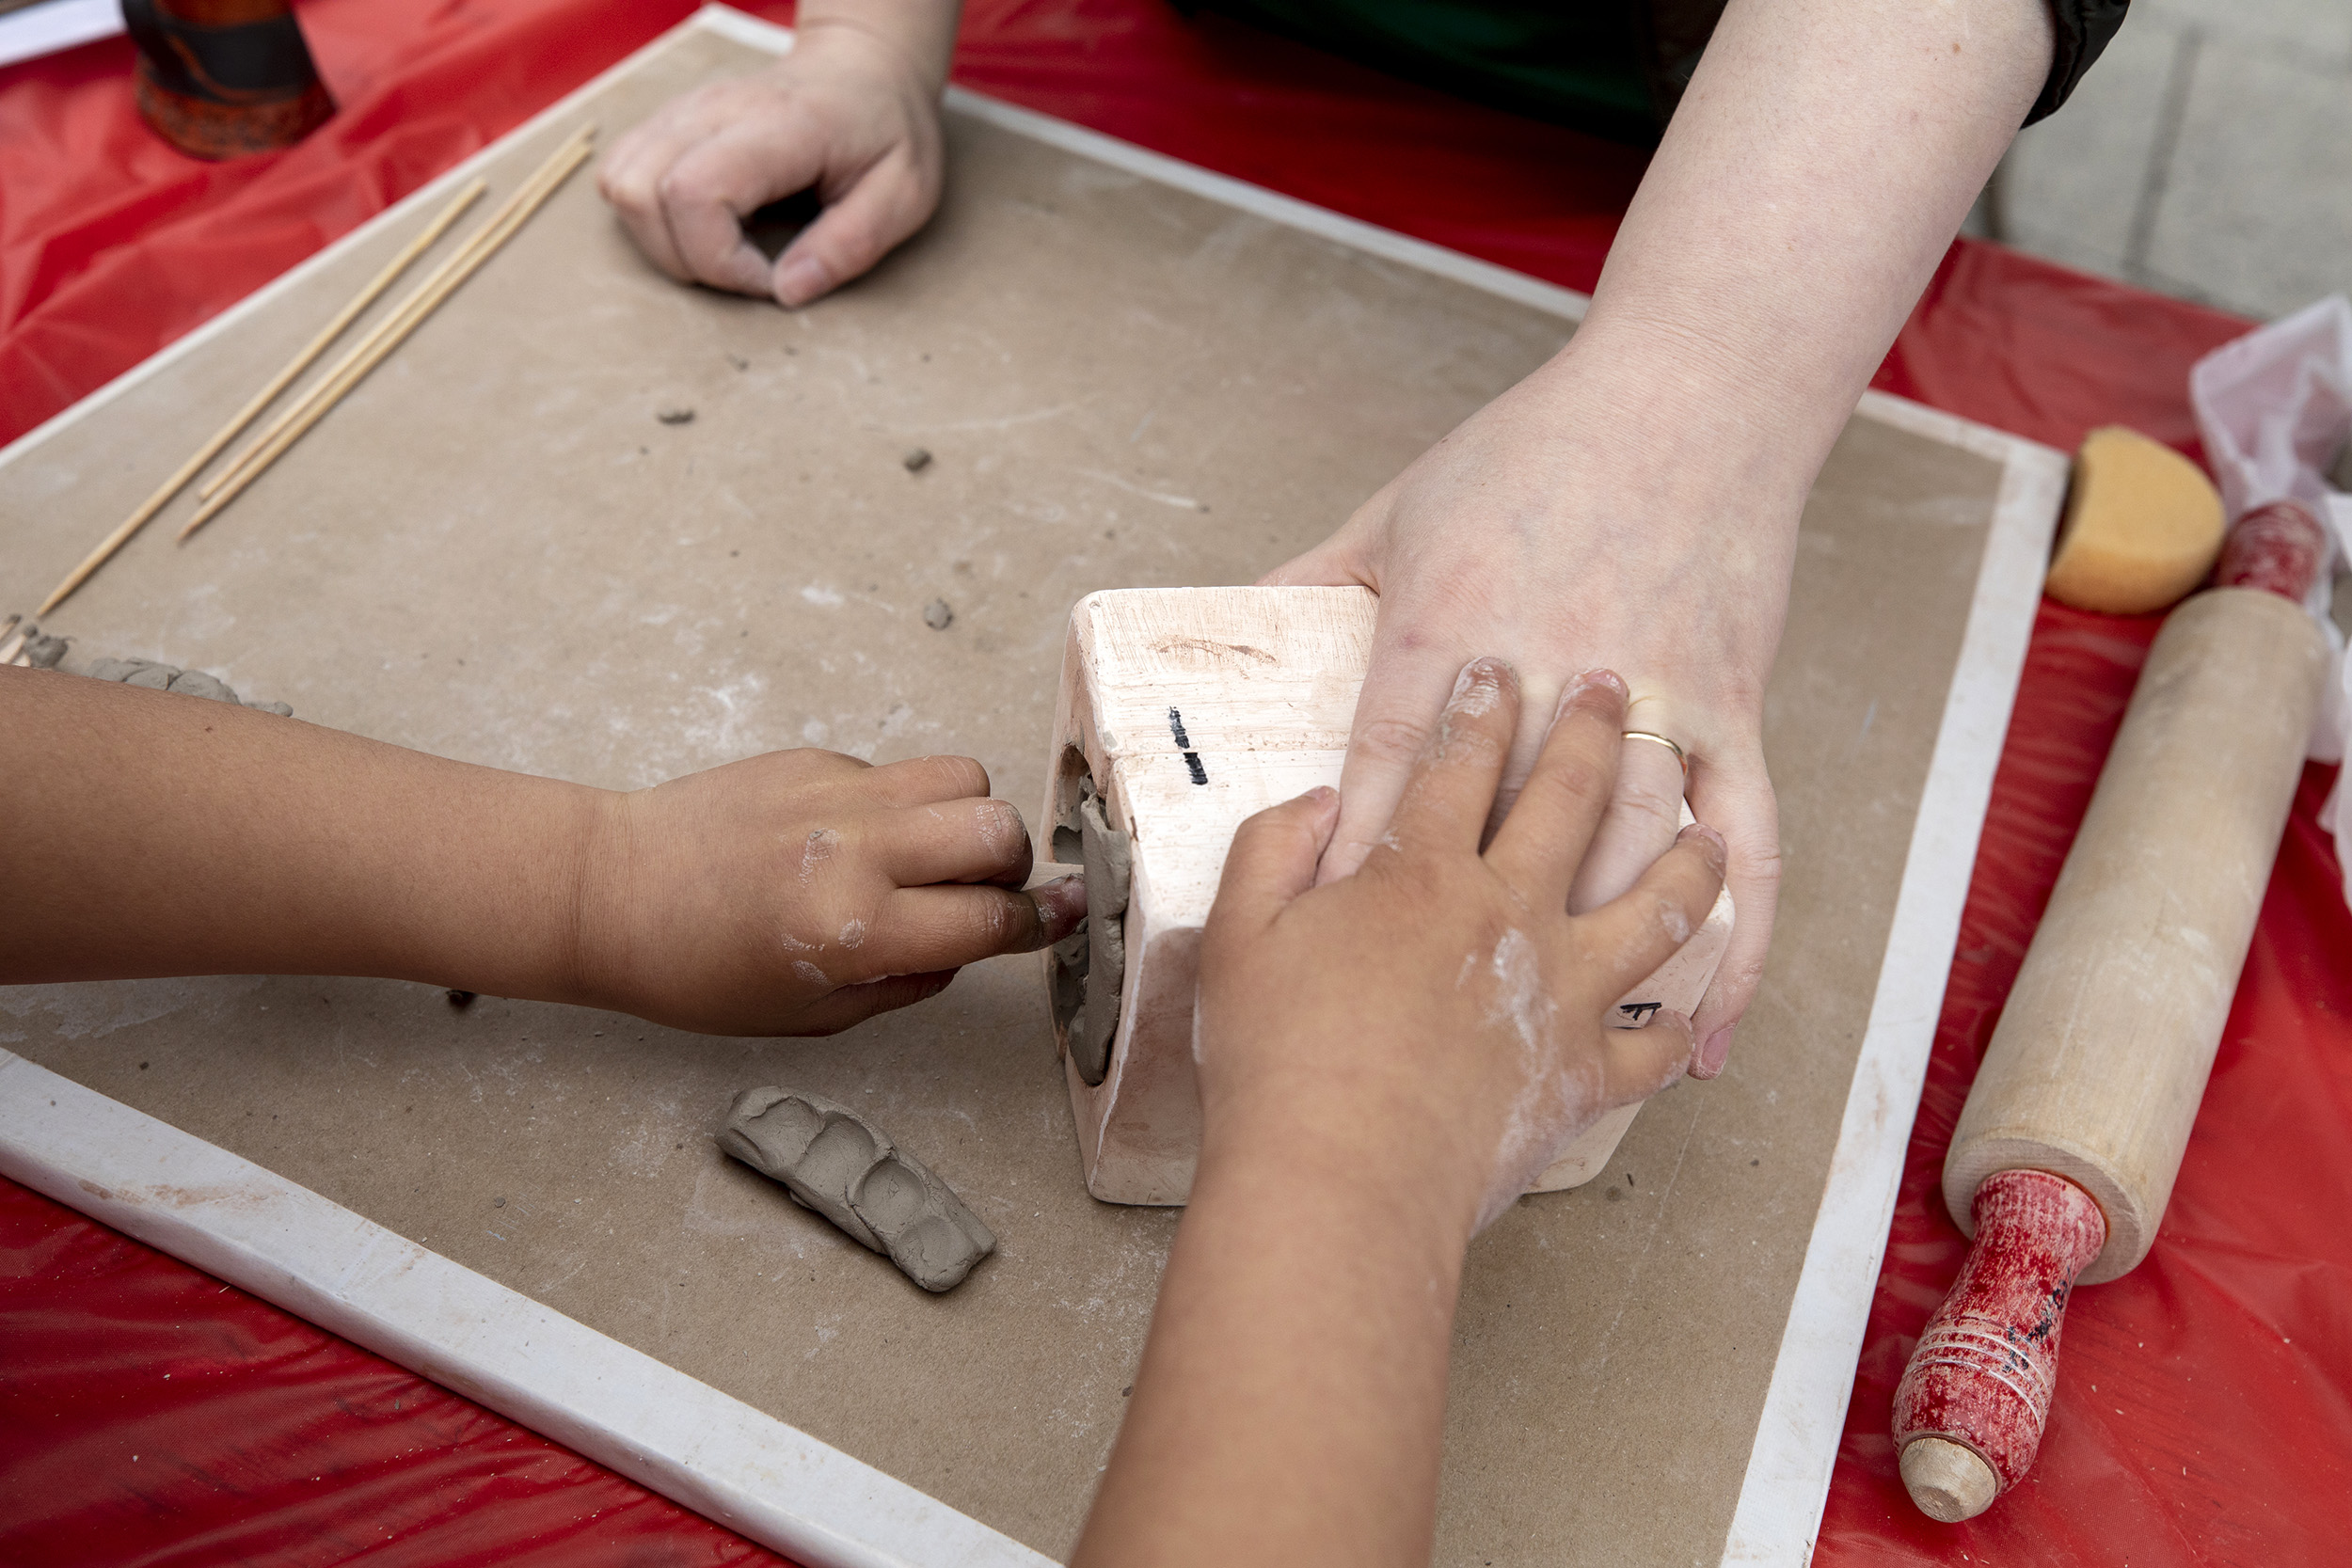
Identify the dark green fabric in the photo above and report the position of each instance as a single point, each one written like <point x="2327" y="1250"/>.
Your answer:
<point x="1573" y="64"/>
<point x="1615" y="68"/>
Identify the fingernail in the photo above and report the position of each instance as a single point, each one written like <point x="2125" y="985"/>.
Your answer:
<point x="801" y="279"/>
<point x="1580" y="683"/>
<point x="1708" y="836"/>
<point x="1716" y="1052"/>
<point x="1474" y="689"/>
<point x="1322" y="795"/>
<point x="1482" y="668"/>
<point x="1062" y="897"/>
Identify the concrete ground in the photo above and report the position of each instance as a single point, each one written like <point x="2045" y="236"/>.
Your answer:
<point x="2208" y="155"/>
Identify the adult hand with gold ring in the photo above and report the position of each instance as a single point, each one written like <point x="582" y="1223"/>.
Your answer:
<point x="1632" y="504"/>
<point x="1644" y="816"/>
<point x="1510" y="535"/>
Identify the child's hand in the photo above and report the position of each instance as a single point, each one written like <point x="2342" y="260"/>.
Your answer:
<point x="802" y="892"/>
<point x="1439" y="1009"/>
<point x="1385" y="1061"/>
<point x="852" y="110"/>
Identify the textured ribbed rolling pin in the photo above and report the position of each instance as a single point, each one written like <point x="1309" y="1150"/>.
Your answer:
<point x="2066" y="1150"/>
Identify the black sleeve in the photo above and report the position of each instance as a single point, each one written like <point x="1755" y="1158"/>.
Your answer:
<point x="2083" y="29"/>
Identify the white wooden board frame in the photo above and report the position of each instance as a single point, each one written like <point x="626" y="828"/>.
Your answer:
<point x="784" y="1489"/>
<point x="51" y="27"/>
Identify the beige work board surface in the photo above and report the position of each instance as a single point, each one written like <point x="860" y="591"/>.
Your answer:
<point x="495" y="550"/>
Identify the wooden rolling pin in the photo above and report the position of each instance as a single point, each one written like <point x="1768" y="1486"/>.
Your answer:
<point x="2066" y="1150"/>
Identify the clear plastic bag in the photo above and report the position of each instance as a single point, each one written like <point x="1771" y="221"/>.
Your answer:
<point x="2275" y="410"/>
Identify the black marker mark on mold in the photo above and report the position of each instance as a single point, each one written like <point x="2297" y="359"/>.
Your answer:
<point x="1183" y="744"/>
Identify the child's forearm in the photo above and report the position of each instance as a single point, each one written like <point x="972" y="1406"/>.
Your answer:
<point x="1384" y="1060"/>
<point x="147" y="833"/>
<point x="1291" y="1404"/>
<point x="923" y="32"/>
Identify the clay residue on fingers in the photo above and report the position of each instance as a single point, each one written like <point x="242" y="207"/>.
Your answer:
<point x="1671" y="920"/>
<point x="1061" y="907"/>
<point x="1580" y="683"/>
<point x="831" y="1160"/>
<point x="1476" y="690"/>
<point x="1554" y="1102"/>
<point x="1005" y="829"/>
<point x="818" y="849"/>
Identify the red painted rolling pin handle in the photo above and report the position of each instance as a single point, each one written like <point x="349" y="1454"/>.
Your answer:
<point x="1969" y="1410"/>
<point x="2280" y="547"/>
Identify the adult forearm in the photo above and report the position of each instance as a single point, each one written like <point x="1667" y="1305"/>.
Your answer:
<point x="1811" y="180"/>
<point x="155" y="835"/>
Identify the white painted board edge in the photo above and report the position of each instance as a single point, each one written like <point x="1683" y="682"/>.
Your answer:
<point x="57" y="24"/>
<point x="1786" y="1482"/>
<point x="1786" y="1485"/>
<point x="621" y="1407"/>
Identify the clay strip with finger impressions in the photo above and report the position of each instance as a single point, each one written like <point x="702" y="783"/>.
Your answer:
<point x="833" y="1161"/>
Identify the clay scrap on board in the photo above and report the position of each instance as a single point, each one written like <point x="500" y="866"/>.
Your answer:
<point x="170" y="677"/>
<point x="832" y="1160"/>
<point x="23" y="642"/>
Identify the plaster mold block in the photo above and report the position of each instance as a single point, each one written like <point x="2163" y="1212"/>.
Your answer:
<point x="1182" y="712"/>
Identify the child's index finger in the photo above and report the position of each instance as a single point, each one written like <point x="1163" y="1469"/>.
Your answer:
<point x="1453" y="786"/>
<point x="925" y="781"/>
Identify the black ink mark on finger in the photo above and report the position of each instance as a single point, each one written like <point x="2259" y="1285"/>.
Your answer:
<point x="1183" y="744"/>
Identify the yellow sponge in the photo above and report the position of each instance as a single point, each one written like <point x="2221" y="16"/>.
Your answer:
<point x="2143" y="526"/>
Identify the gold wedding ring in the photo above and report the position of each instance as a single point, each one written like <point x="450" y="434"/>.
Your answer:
<point x="1680" y="761"/>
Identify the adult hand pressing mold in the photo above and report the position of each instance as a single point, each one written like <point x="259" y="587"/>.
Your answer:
<point x="1516" y="531"/>
<point x="853" y="113"/>
<point x="796" y="893"/>
<point x="1385" y="1061"/>
<point x="1634" y="503"/>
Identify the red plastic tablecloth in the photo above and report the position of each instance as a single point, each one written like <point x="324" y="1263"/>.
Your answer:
<point x="149" y="1414"/>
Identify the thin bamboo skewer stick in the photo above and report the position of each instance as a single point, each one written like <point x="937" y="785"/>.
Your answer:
<point x="572" y="157"/>
<point x="391" y="321"/>
<point x="262" y="398"/>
